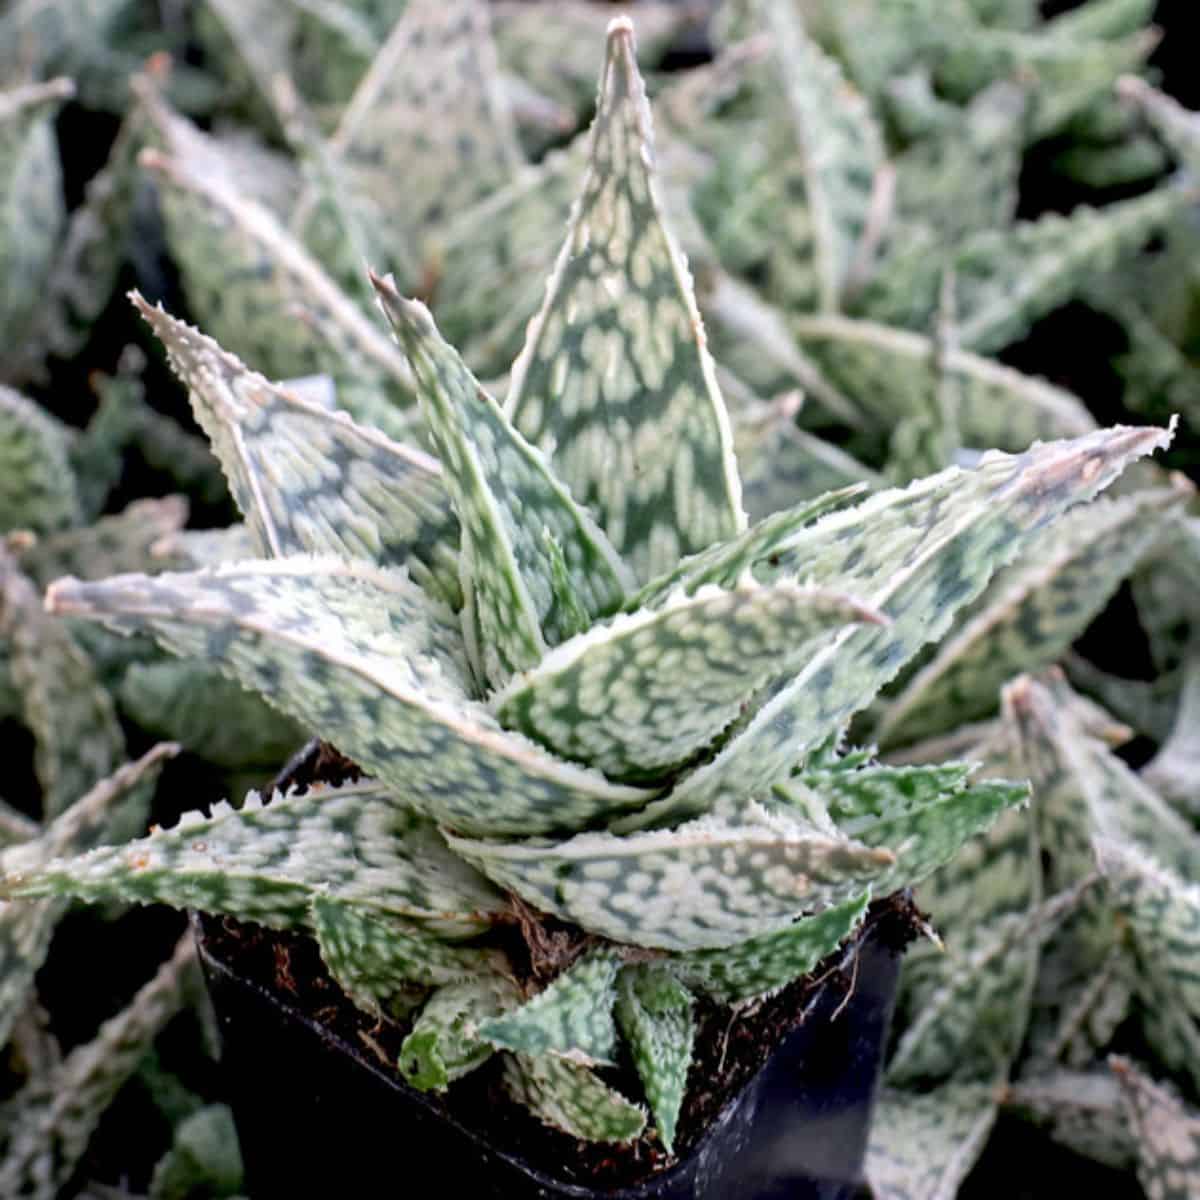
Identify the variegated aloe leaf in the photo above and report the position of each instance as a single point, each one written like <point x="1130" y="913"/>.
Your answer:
<point x="113" y="810"/>
<point x="266" y="863"/>
<point x="917" y="555"/>
<point x="761" y="965"/>
<point x="247" y="278"/>
<point x="571" y="1019"/>
<point x="654" y="1012"/>
<point x="1174" y="772"/>
<point x="923" y="1145"/>
<point x="518" y="521"/>
<point x="643" y="693"/>
<point x="79" y="739"/>
<point x="444" y="1043"/>
<point x="204" y="1157"/>
<point x="615" y="364"/>
<point x="37" y="486"/>
<point x="1081" y="1110"/>
<point x="193" y="548"/>
<point x="1030" y="613"/>
<point x="251" y="39"/>
<point x="431" y="109"/>
<point x="51" y="1121"/>
<point x="366" y="657"/>
<point x="1167" y="1134"/>
<point x="710" y="883"/>
<point x="891" y="371"/>
<point x="311" y="481"/>
<point x="31" y="202"/>
<point x="859" y="795"/>
<point x="1008" y="278"/>
<point x="571" y="1098"/>
<point x="1177" y="126"/>
<point x="373" y="957"/>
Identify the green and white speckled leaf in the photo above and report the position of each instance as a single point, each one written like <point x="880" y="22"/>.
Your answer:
<point x="615" y="365"/>
<point x="50" y="1121"/>
<point x="194" y="704"/>
<point x="1030" y="613"/>
<point x="266" y="863"/>
<point x="1179" y="127"/>
<point x="858" y="797"/>
<point x="1081" y="1110"/>
<point x="1007" y="278"/>
<point x="571" y="1098"/>
<point x="365" y="657"/>
<point x="246" y="279"/>
<point x="31" y="201"/>
<point x="506" y="496"/>
<point x="571" y="1019"/>
<point x="890" y="372"/>
<point x="1175" y="769"/>
<point x="641" y="694"/>
<point x="37" y="486"/>
<point x="430" y="111"/>
<point x="191" y="549"/>
<point x="654" y="1012"/>
<point x="311" y="481"/>
<point x="710" y="883"/>
<point x="444" y="1043"/>
<point x="79" y="739"/>
<point x="764" y="964"/>
<point x="917" y="556"/>
<point x="923" y="1145"/>
<point x="373" y="957"/>
<point x="1167" y="1133"/>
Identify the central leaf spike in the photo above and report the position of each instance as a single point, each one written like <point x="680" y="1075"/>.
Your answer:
<point x="615" y="379"/>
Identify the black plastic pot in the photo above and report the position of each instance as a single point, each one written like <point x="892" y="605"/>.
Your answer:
<point x="318" y="1114"/>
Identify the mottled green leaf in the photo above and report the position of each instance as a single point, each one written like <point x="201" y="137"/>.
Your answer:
<point x="572" y="1018"/>
<point x="1167" y="1133"/>
<point x="365" y="657"/>
<point x="615" y="365"/>
<point x="1174" y="772"/>
<point x="1177" y="126"/>
<point x="654" y="1012"/>
<point x="641" y="694"/>
<point x="204" y="1157"/>
<point x="571" y="1098"/>
<point x="37" y="487"/>
<point x="505" y="495"/>
<point x="858" y="797"/>
<point x="1081" y="1110"/>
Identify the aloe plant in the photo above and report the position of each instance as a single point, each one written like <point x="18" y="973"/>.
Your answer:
<point x="573" y="671"/>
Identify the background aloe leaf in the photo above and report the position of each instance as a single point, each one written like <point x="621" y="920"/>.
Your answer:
<point x="1167" y="1134"/>
<point x="1081" y="1110"/>
<point x="309" y="480"/>
<point x="616" y="364"/>
<point x="444" y="1043"/>
<point x="572" y="1099"/>
<point x="571" y="1019"/>
<point x="505" y="495"/>
<point x="644" y="692"/>
<point x="37" y="486"/>
<point x="1030" y="612"/>
<point x="944" y="538"/>
<point x="670" y="889"/>
<point x="1178" y="127"/>
<point x="204" y="1156"/>
<point x="654" y="1012"/>
<point x="266" y="863"/>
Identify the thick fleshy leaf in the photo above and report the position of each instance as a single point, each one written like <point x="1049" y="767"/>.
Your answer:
<point x="267" y="863"/>
<point x="373" y="958"/>
<point x="644" y="692"/>
<point x="205" y="1158"/>
<point x="37" y="487"/>
<point x="311" y="481"/>
<point x="917" y="555"/>
<point x="654" y="1011"/>
<point x="1177" y="126"/>
<point x="1030" y="613"/>
<point x="572" y="1018"/>
<point x="1174" y="772"/>
<point x="764" y="964"/>
<point x="711" y="883"/>
<point x="1081" y="1110"/>
<point x="923" y="1145"/>
<point x="615" y="366"/>
<point x="444" y="1043"/>
<point x="430" y="110"/>
<point x="859" y="797"/>
<point x="50" y="1122"/>
<point x="193" y="548"/>
<point x="506" y="497"/>
<point x="1167" y="1134"/>
<point x="365" y="657"/>
<point x="571" y="1098"/>
<point x="79" y="739"/>
<point x="891" y="372"/>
